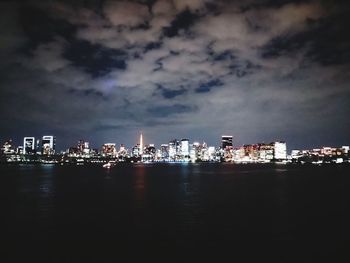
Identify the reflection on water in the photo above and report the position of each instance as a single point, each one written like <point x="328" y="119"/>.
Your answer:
<point x="139" y="184"/>
<point x="182" y="204"/>
<point x="189" y="206"/>
<point x="46" y="191"/>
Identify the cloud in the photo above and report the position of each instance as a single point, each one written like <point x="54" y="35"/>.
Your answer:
<point x="194" y="5"/>
<point x="48" y="56"/>
<point x="165" y="111"/>
<point x="170" y="94"/>
<point x="257" y="70"/>
<point x="126" y="13"/>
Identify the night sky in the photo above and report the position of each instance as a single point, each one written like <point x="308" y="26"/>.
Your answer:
<point x="105" y="70"/>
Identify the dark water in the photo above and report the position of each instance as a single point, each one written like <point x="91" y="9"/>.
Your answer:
<point x="175" y="212"/>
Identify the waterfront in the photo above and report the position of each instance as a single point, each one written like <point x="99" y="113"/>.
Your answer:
<point x="60" y="214"/>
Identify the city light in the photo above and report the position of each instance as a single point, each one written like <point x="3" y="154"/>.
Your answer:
<point x="174" y="151"/>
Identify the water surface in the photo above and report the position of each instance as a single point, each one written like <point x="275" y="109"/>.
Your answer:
<point x="182" y="211"/>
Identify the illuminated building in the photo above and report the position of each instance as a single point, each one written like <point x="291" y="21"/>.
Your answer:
<point x="211" y="153"/>
<point x="149" y="153"/>
<point x="28" y="145"/>
<point x="141" y="144"/>
<point x="280" y="150"/>
<point x="185" y="148"/>
<point x="173" y="149"/>
<point x="327" y="150"/>
<point x="150" y="149"/>
<point x="122" y="151"/>
<point x="265" y="152"/>
<point x="195" y="152"/>
<point x="19" y="150"/>
<point x="226" y="141"/>
<point x="38" y="148"/>
<point x="109" y="150"/>
<point x="164" y="151"/>
<point x="73" y="151"/>
<point x="48" y="145"/>
<point x="238" y="154"/>
<point x="296" y="154"/>
<point x="8" y="147"/>
<point x="80" y="147"/>
<point x="135" y="151"/>
<point x="204" y="152"/>
<point x="86" y="149"/>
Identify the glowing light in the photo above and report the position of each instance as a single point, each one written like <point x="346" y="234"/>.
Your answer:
<point x="141" y="144"/>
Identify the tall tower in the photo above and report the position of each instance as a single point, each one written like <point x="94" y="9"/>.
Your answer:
<point x="141" y="144"/>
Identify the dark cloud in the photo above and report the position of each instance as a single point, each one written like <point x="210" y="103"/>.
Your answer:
<point x="225" y="55"/>
<point x="152" y="45"/>
<point x="169" y="93"/>
<point x="93" y="58"/>
<point x="107" y="127"/>
<point x="269" y="3"/>
<point x="87" y="92"/>
<point x="165" y="111"/>
<point x="326" y="40"/>
<point x="182" y="21"/>
<point x="206" y="87"/>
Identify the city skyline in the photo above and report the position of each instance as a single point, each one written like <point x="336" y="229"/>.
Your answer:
<point x="261" y="71"/>
<point x="220" y="142"/>
<point x="40" y="141"/>
<point x="176" y="150"/>
<point x="49" y="141"/>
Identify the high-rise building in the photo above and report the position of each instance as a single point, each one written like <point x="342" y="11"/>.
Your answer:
<point x="8" y="147"/>
<point x="164" y="151"/>
<point x="280" y="150"/>
<point x="226" y="141"/>
<point x="173" y="149"/>
<point x="122" y="151"/>
<point x="135" y="151"/>
<point x="149" y="153"/>
<point x="38" y="147"/>
<point x="109" y="150"/>
<point x="86" y="148"/>
<point x="48" y="145"/>
<point x="83" y="148"/>
<point x="211" y="153"/>
<point x="150" y="149"/>
<point x="185" y="148"/>
<point x="19" y="150"/>
<point x="28" y="145"/>
<point x="80" y="147"/>
<point x="195" y="151"/>
<point x="265" y="152"/>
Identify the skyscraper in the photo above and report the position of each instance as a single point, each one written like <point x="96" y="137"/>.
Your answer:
<point x="185" y="148"/>
<point x="48" y="145"/>
<point x="173" y="149"/>
<point x="109" y="150"/>
<point x="280" y="150"/>
<point x="29" y="145"/>
<point x="226" y="141"/>
<point x="164" y="150"/>
<point x="8" y="147"/>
